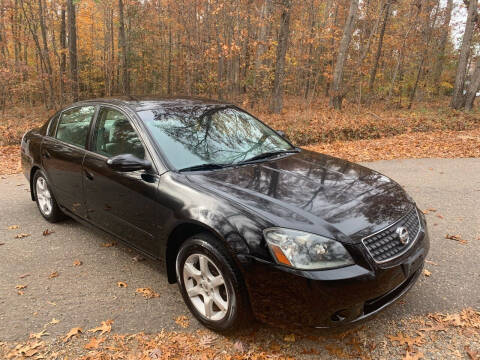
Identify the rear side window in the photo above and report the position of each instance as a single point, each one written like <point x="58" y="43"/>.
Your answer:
<point x="74" y="124"/>
<point x="52" y="124"/>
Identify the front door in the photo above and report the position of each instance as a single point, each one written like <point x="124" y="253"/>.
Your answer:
<point x="122" y="203"/>
<point x="62" y="157"/>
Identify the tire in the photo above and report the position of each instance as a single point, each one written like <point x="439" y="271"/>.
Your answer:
<point x="46" y="203"/>
<point x="231" y="314"/>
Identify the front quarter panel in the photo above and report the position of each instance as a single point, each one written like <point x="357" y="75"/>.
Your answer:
<point x="241" y="231"/>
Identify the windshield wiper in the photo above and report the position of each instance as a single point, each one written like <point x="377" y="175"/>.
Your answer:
<point x="268" y="155"/>
<point x="204" y="167"/>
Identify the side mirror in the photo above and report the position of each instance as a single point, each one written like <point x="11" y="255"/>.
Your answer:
<point x="128" y="162"/>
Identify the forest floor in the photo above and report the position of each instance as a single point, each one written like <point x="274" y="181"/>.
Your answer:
<point x="366" y="133"/>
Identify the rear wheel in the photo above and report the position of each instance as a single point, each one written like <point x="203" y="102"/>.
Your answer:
<point x="211" y="284"/>
<point x="45" y="200"/>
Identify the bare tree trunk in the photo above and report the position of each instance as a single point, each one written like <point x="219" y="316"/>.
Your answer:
<point x="373" y="72"/>
<point x="45" y="55"/>
<point x="72" y="48"/>
<point x="63" y="56"/>
<point x="337" y="86"/>
<point x="437" y="72"/>
<point x="458" y="99"/>
<point x="123" y="45"/>
<point x="473" y="87"/>
<point x="428" y="36"/>
<point x="263" y="31"/>
<point x="277" y="95"/>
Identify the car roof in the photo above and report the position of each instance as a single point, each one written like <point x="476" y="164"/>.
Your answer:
<point x="140" y="103"/>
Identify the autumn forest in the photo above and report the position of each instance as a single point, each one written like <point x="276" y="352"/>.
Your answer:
<point x="396" y="51"/>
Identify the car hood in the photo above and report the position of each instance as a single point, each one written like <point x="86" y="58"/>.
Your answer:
<point x="312" y="192"/>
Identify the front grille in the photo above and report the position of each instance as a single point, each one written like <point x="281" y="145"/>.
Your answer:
<point x="386" y="244"/>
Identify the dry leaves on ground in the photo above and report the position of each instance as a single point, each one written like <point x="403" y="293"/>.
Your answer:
<point x="183" y="321"/>
<point x="122" y="284"/>
<point x="456" y="238"/>
<point x="77" y="262"/>
<point x="147" y="293"/>
<point x="47" y="232"/>
<point x="73" y="332"/>
<point x="13" y="227"/>
<point x="53" y="275"/>
<point x="426" y="272"/>
<point x="105" y="327"/>
<point x="39" y="334"/>
<point x="109" y="244"/>
<point x="94" y="343"/>
<point x="21" y="235"/>
<point x="438" y="144"/>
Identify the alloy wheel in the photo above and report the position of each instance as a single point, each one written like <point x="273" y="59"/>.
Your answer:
<point x="205" y="286"/>
<point x="44" y="197"/>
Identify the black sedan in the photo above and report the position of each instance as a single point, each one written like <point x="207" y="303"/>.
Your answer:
<point x="244" y="222"/>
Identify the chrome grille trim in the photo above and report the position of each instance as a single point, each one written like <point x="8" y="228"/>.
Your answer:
<point x="402" y="251"/>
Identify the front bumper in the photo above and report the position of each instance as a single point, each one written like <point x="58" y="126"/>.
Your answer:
<point x="329" y="298"/>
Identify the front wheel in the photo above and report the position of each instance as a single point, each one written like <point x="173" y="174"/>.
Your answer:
<point x="211" y="284"/>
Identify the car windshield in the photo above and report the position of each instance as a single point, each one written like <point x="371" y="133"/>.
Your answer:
<point x="210" y="135"/>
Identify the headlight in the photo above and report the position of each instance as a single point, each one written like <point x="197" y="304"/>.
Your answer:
<point x="301" y="250"/>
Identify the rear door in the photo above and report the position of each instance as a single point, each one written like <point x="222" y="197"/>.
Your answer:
<point x="122" y="203"/>
<point x="63" y="153"/>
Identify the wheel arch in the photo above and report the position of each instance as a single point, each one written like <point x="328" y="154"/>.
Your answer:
<point x="177" y="237"/>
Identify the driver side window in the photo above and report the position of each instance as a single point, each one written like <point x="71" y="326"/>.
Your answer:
<point x="114" y="135"/>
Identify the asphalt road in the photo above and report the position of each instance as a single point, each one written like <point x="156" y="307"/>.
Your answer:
<point x="87" y="294"/>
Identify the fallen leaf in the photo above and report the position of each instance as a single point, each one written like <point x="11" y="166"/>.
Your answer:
<point x="20" y="292"/>
<point x="20" y="287"/>
<point x="148" y="293"/>
<point x="94" y="343"/>
<point x="426" y="272"/>
<point x="73" y="332"/>
<point x="456" y="238"/>
<point x="39" y="334"/>
<point x="183" y="321"/>
<point x="13" y="227"/>
<point x="428" y="211"/>
<point x="207" y="340"/>
<point x="239" y="346"/>
<point x="51" y="303"/>
<point x="138" y="258"/>
<point x="77" y="263"/>
<point x="122" y="284"/>
<point x="472" y="354"/>
<point x="22" y="235"/>
<point x="155" y="354"/>
<point x="439" y="216"/>
<point x="53" y="275"/>
<point x="24" y="276"/>
<point x="289" y="338"/>
<point x="54" y="321"/>
<point x="413" y="356"/>
<point x="110" y="244"/>
<point x="47" y="232"/>
<point x="106" y="327"/>
<point x="431" y="262"/>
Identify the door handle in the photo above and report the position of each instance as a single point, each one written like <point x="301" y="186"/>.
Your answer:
<point x="88" y="175"/>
